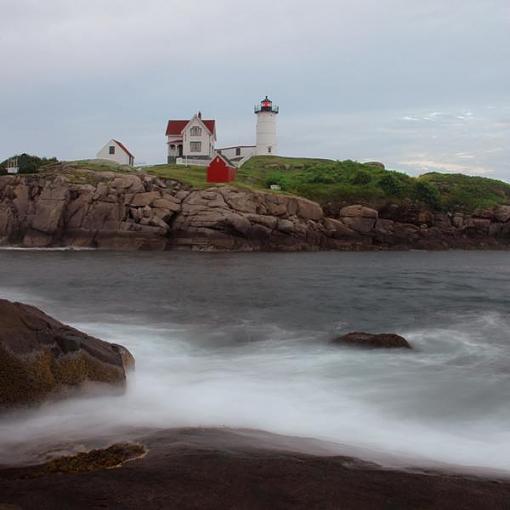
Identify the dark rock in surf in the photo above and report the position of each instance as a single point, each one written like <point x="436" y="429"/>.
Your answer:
<point x="39" y="355"/>
<point x="373" y="341"/>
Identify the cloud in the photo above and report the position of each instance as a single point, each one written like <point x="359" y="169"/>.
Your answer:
<point x="353" y="78"/>
<point x="424" y="166"/>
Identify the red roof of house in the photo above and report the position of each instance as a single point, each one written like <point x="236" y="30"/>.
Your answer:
<point x="124" y="148"/>
<point x="175" y="127"/>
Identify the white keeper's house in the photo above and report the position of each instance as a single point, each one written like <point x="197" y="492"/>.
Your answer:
<point x="193" y="139"/>
<point x="117" y="152"/>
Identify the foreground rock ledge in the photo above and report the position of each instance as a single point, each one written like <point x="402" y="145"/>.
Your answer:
<point x="374" y="341"/>
<point x="39" y="355"/>
<point x="226" y="470"/>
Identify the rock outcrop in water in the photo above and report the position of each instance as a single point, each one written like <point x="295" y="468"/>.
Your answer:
<point x="39" y="355"/>
<point x="75" y="207"/>
<point x="373" y="341"/>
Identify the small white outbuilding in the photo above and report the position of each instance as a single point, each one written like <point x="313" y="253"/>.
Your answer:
<point x="117" y="152"/>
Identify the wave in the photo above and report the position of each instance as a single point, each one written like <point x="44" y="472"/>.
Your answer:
<point x="446" y="401"/>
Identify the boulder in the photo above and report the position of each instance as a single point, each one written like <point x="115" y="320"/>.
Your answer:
<point x="458" y="220"/>
<point x="360" y="224"/>
<point x="383" y="226"/>
<point x="269" y="222"/>
<point x="39" y="356"/>
<point x="21" y="201"/>
<point x="502" y="213"/>
<point x="376" y="164"/>
<point x="77" y="209"/>
<point x="442" y="221"/>
<point x="309" y="210"/>
<point x="7" y="221"/>
<point x="143" y="199"/>
<point x="276" y="205"/>
<point x="204" y="198"/>
<point x="355" y="211"/>
<point x="337" y="229"/>
<point x="131" y="183"/>
<point x="103" y="215"/>
<point x="359" y="218"/>
<point x="48" y="215"/>
<point x="373" y="341"/>
<point x="240" y="201"/>
<point x="169" y="203"/>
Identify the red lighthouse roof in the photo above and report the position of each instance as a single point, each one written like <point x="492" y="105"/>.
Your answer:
<point x="266" y="102"/>
<point x="266" y="105"/>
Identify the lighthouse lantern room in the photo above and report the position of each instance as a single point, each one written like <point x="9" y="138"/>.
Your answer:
<point x="266" y="113"/>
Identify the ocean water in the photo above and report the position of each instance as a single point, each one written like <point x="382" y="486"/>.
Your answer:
<point x="243" y="340"/>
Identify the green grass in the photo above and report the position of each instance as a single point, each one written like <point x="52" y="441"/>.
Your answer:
<point x="195" y="176"/>
<point x="324" y="180"/>
<point x="458" y="191"/>
<point x="328" y="181"/>
<point x="100" y="165"/>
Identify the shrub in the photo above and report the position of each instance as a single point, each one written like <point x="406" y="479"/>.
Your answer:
<point x="278" y="178"/>
<point x="426" y="193"/>
<point x="360" y="178"/>
<point x="391" y="185"/>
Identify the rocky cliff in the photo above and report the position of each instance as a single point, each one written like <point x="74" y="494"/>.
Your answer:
<point x="67" y="206"/>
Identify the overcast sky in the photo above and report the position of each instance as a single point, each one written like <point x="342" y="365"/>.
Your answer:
<point x="420" y="85"/>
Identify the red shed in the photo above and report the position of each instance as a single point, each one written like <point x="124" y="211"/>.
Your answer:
<point x="221" y="169"/>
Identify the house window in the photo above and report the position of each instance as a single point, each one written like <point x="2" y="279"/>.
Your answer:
<point x="195" y="146"/>
<point x="238" y="151"/>
<point x="196" y="131"/>
<point x="111" y="149"/>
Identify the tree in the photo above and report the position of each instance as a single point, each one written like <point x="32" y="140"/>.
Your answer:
<point x="28" y="164"/>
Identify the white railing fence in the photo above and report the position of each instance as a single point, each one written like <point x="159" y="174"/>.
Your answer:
<point x="192" y="162"/>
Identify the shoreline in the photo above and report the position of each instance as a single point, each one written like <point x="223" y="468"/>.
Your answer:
<point x="82" y="208"/>
<point x="378" y="249"/>
<point x="33" y="453"/>
<point x="226" y="468"/>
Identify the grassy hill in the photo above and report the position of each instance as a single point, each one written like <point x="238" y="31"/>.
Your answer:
<point x="329" y="182"/>
<point x="458" y="191"/>
<point x="338" y="181"/>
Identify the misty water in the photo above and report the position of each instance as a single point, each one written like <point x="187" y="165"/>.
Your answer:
<point x="243" y="341"/>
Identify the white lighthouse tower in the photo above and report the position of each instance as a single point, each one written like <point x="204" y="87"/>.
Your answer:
<point x="266" y="128"/>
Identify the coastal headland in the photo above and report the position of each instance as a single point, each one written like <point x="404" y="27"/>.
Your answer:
<point x="75" y="205"/>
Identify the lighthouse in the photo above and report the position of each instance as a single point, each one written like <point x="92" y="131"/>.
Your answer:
<point x="266" y="127"/>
